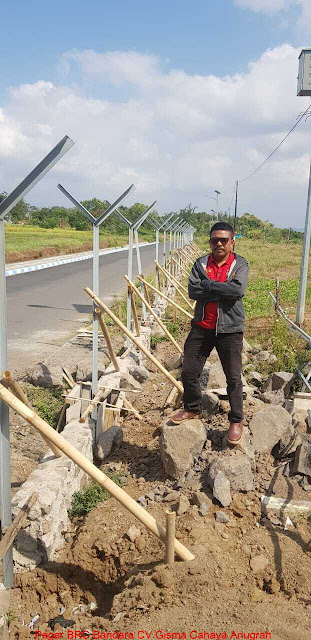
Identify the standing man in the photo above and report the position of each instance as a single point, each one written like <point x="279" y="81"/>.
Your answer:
<point x="217" y="282"/>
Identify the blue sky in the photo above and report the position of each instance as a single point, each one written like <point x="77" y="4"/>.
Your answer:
<point x="179" y="97"/>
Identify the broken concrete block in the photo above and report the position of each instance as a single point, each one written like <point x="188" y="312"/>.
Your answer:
<point x="221" y="489"/>
<point x="174" y="363"/>
<point x="107" y="441"/>
<point x="45" y="376"/>
<point x="210" y="402"/>
<point x="180" y="445"/>
<point x="84" y="370"/>
<point x="127" y="381"/>
<point x="139" y="373"/>
<point x="273" y="397"/>
<point x="299" y="415"/>
<point x="268" y="426"/>
<point x="302" y="462"/>
<point x="279" y="380"/>
<point x="236" y="468"/>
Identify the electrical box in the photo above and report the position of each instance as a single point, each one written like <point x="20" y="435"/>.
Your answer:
<point x="304" y="73"/>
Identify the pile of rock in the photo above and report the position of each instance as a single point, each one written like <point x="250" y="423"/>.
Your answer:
<point x="274" y="427"/>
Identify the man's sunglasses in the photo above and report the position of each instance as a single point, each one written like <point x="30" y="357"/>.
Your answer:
<point x="214" y="241"/>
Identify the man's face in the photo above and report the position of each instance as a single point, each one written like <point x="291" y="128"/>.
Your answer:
<point x="221" y="244"/>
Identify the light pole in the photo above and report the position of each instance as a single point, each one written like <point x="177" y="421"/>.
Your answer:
<point x="218" y="194"/>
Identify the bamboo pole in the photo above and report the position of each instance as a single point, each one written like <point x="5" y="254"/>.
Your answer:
<point x="168" y="277"/>
<point x="146" y="290"/>
<point x="61" y="416"/>
<point x="93" y="404"/>
<point x="106" y="335"/>
<point x="9" y="382"/>
<point x="170" y="537"/>
<point x="174" y="304"/>
<point x="136" y="341"/>
<point x="129" y="407"/>
<point x="159" y="321"/>
<point x="179" y="284"/>
<point x="17" y="524"/>
<point x="71" y="452"/>
<point x="134" y="311"/>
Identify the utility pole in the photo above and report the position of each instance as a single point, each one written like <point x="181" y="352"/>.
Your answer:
<point x="236" y="205"/>
<point x="304" y="261"/>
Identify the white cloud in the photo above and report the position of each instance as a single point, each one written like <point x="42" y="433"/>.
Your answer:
<point x="271" y="7"/>
<point x="173" y="134"/>
<point x="262" y="6"/>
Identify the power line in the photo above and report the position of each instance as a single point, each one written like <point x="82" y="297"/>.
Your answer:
<point x="279" y="145"/>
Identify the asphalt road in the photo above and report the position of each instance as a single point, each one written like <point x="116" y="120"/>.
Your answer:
<point x="45" y="308"/>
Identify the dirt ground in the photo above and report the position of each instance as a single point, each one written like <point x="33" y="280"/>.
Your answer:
<point x="109" y="579"/>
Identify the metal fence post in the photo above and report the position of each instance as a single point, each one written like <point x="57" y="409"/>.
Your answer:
<point x="5" y="472"/>
<point x="304" y="261"/>
<point x="96" y="222"/>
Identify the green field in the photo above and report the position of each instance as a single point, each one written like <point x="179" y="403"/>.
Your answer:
<point x="26" y="242"/>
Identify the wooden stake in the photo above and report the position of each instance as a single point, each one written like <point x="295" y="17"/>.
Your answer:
<point x="146" y="290"/>
<point x="9" y="382"/>
<point x="129" y="406"/>
<point x="174" y="304"/>
<point x="61" y="416"/>
<point x="136" y="341"/>
<point x="93" y="404"/>
<point x="170" y="537"/>
<point x="175" y="287"/>
<point x="16" y="525"/>
<point x="69" y="450"/>
<point x="150" y="309"/>
<point x="181" y="286"/>
<point x="106" y="335"/>
<point x="68" y="377"/>
<point x="134" y="311"/>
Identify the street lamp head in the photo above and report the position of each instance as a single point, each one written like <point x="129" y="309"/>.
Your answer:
<point x="217" y="192"/>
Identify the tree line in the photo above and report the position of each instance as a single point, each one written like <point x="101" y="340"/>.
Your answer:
<point x="247" y="225"/>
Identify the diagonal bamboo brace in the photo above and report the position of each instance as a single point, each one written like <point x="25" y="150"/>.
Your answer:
<point x="182" y="295"/>
<point x="9" y="382"/>
<point x="174" y="304"/>
<point x="136" y="341"/>
<point x="158" y="320"/>
<point x="69" y="450"/>
<point x="106" y="335"/>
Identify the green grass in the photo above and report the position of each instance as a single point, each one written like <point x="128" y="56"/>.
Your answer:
<point x="87" y="499"/>
<point x="25" y="239"/>
<point x="47" y="402"/>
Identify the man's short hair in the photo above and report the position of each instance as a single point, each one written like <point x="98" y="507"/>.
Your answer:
<point x="222" y="226"/>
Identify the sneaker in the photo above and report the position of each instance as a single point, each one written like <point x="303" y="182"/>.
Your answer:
<point x="235" y="432"/>
<point x="182" y="415"/>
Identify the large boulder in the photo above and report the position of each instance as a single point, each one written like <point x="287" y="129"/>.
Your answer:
<point x="45" y="376"/>
<point x="180" y="445"/>
<point x="237" y="468"/>
<point x="268" y="426"/>
<point x="84" y="370"/>
<point x="279" y="380"/>
<point x="210" y="403"/>
<point x="139" y="372"/>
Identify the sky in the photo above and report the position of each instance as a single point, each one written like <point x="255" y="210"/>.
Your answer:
<point x="178" y="98"/>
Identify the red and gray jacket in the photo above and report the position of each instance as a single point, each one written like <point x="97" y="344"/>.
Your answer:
<point x="231" y="316"/>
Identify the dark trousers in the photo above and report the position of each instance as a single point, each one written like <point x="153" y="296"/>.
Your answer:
<point x="198" y="346"/>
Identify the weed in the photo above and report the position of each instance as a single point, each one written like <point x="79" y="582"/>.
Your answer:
<point x="85" y="500"/>
<point x="47" y="402"/>
<point x="10" y="616"/>
<point x="154" y="340"/>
